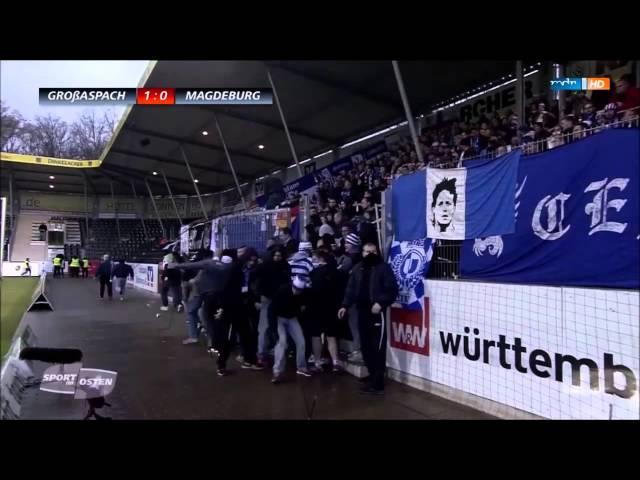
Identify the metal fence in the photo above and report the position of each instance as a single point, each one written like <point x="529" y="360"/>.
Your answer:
<point x="251" y="229"/>
<point x="556" y="140"/>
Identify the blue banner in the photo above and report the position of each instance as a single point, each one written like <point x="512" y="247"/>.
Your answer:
<point x="306" y="183"/>
<point x="577" y="218"/>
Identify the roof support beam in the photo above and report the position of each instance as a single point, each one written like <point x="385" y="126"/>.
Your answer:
<point x="140" y="176"/>
<point x="173" y="162"/>
<point x="265" y="123"/>
<point x="179" y="140"/>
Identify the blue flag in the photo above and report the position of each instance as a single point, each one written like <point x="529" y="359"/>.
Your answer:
<point x="410" y="263"/>
<point x="578" y="218"/>
<point x="472" y="202"/>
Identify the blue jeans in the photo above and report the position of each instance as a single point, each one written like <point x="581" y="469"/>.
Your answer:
<point x="263" y="327"/>
<point x="122" y="284"/>
<point x="193" y="307"/>
<point x="293" y="328"/>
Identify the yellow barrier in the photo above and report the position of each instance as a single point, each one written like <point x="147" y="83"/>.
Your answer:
<point x="50" y="161"/>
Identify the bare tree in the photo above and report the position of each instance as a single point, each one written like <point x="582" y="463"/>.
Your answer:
<point x="90" y="135"/>
<point x="47" y="136"/>
<point x="11" y="124"/>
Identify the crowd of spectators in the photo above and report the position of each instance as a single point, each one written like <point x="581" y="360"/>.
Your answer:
<point x="348" y="198"/>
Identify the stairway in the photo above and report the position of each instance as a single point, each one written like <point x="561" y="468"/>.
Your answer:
<point x="73" y="235"/>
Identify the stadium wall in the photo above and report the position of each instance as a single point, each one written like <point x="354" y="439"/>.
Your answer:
<point x="22" y="246"/>
<point x="519" y="351"/>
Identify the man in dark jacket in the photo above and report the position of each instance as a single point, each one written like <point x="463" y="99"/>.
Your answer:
<point x="246" y="322"/>
<point x="270" y="276"/>
<point x="211" y="284"/>
<point x="121" y="271"/>
<point x="288" y="303"/>
<point x="372" y="287"/>
<point x="324" y="301"/>
<point x="105" y="274"/>
<point x="289" y="243"/>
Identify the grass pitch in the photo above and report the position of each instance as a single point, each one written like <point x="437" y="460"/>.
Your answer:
<point x="15" y="296"/>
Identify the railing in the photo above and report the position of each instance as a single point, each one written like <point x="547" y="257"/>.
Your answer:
<point x="554" y="141"/>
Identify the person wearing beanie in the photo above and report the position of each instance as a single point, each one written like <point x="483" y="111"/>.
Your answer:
<point x="301" y="264"/>
<point x="346" y="263"/>
<point x="286" y="308"/>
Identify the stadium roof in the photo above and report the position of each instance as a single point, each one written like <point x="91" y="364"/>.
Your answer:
<point x="326" y="103"/>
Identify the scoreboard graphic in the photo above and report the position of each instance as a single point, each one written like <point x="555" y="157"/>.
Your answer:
<point x="155" y="96"/>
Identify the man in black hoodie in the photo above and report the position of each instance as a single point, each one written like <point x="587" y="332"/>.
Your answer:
<point x="288" y="304"/>
<point x="324" y="300"/>
<point x="270" y="276"/>
<point x="372" y="287"/>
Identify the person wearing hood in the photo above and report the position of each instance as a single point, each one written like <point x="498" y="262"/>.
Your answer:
<point x="372" y="287"/>
<point x="273" y="273"/>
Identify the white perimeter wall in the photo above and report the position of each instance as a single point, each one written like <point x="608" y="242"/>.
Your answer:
<point x="584" y="323"/>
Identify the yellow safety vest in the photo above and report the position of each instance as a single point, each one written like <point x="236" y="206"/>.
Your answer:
<point x="85" y="263"/>
<point x="75" y="262"/>
<point x="57" y="262"/>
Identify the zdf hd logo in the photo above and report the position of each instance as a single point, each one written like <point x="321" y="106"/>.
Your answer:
<point x="578" y="83"/>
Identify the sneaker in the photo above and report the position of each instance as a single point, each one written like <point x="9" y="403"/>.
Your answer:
<point x="180" y="308"/>
<point x="212" y="351"/>
<point x="316" y="369"/>
<point x="246" y="365"/>
<point x="337" y="368"/>
<point x="312" y="359"/>
<point x="190" y="341"/>
<point x="355" y="357"/>
<point x="240" y="359"/>
<point x="257" y="367"/>
<point x="368" y="390"/>
<point x="304" y="372"/>
<point x="164" y="309"/>
<point x="276" y="379"/>
<point x="222" y="372"/>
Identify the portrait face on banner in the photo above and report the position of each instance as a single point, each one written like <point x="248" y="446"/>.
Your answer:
<point x="445" y="203"/>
